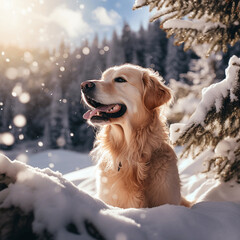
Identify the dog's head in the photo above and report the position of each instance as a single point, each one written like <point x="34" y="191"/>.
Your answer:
<point x="126" y="92"/>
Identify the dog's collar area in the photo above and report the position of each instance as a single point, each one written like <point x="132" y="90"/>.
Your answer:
<point x="119" y="166"/>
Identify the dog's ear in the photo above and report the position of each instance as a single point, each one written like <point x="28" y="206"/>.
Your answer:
<point x="155" y="92"/>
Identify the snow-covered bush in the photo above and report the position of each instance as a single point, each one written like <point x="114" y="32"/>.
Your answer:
<point x="214" y="128"/>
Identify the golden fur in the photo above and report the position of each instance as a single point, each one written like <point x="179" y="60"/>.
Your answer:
<point x="137" y="167"/>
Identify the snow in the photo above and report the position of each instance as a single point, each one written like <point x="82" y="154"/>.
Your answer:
<point x="175" y="131"/>
<point x="183" y="107"/>
<point x="214" y="94"/>
<point x="211" y="96"/>
<point x="64" y="161"/>
<point x="140" y="3"/>
<point x="200" y="25"/>
<point x="53" y="210"/>
<point x="227" y="147"/>
<point x="199" y="186"/>
<point x="83" y="179"/>
<point x="56" y="202"/>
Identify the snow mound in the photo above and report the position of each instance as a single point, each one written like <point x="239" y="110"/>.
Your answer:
<point x="56" y="203"/>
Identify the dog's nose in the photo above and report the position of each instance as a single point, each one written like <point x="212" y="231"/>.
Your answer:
<point x="87" y="86"/>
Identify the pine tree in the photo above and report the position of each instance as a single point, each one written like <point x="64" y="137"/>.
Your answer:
<point x="157" y="48"/>
<point x="56" y="114"/>
<point x="82" y="135"/>
<point x="116" y="55"/>
<point x="177" y="61"/>
<point x="213" y="22"/>
<point x="128" y="43"/>
<point x="141" y="48"/>
<point x="103" y="55"/>
<point x="86" y="69"/>
<point x="213" y="131"/>
<point x="94" y="60"/>
<point x="222" y="64"/>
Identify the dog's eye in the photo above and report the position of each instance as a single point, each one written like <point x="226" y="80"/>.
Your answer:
<point x="119" y="80"/>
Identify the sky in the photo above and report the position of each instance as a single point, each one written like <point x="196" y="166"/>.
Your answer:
<point x="45" y="23"/>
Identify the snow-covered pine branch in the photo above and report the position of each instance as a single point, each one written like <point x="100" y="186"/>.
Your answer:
<point x="213" y="22"/>
<point x="215" y="126"/>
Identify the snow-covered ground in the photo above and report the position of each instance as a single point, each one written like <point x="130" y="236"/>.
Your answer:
<point x="56" y="202"/>
<point x="196" y="185"/>
<point x="63" y="161"/>
<point x="78" y="168"/>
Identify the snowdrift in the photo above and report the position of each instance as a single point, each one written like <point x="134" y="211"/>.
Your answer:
<point x="42" y="204"/>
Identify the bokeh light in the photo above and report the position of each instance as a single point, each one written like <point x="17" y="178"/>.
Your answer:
<point x="61" y="142"/>
<point x="7" y="139"/>
<point x="86" y="51"/>
<point x="22" y="158"/>
<point x="11" y="73"/>
<point x="24" y="97"/>
<point x="19" y="120"/>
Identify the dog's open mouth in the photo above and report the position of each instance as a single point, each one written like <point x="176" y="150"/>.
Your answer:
<point x="101" y="112"/>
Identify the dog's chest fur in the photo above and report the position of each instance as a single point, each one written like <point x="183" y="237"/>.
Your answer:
<point x="140" y="185"/>
<point x="141" y="179"/>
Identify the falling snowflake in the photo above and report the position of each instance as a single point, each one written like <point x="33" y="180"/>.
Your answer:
<point x="21" y="137"/>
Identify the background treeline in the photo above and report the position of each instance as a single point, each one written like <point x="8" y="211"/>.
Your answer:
<point x="41" y="89"/>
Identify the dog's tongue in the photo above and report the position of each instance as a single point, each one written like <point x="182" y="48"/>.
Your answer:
<point x="106" y="108"/>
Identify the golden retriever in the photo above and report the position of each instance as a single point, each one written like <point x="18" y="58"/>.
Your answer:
<point x="137" y="167"/>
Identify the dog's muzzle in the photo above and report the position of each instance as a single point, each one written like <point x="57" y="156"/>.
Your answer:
<point x="87" y="87"/>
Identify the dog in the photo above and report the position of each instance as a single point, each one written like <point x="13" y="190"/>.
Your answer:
<point x="136" y="165"/>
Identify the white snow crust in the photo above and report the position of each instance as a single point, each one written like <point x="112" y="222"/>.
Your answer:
<point x="56" y="202"/>
<point x="200" y="25"/>
<point x="140" y="3"/>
